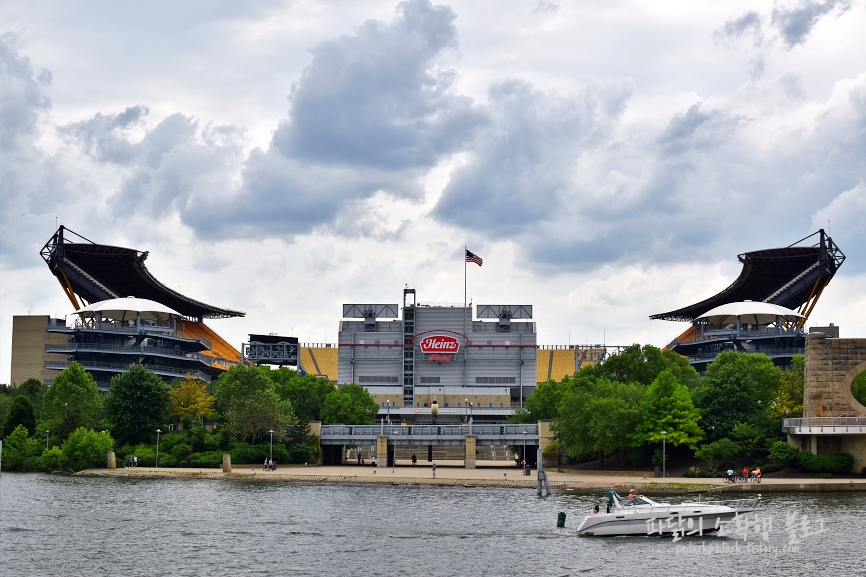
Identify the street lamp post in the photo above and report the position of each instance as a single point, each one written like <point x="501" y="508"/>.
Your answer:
<point x="157" y="447"/>
<point x="466" y="411"/>
<point x="272" y="444"/>
<point x="389" y="410"/>
<point x="524" y="452"/>
<point x="46" y="438"/>
<point x="664" y="455"/>
<point x="394" y="458"/>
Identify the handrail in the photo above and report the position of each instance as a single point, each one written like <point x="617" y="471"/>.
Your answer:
<point x="141" y="350"/>
<point x="858" y="421"/>
<point x="121" y="367"/>
<point x="431" y="430"/>
<point x="768" y="352"/>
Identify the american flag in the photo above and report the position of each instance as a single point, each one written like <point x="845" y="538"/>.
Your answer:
<point x="471" y="257"/>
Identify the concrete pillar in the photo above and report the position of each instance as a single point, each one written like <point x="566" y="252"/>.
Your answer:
<point x="316" y="431"/>
<point x="469" y="460"/>
<point x="382" y="451"/>
<point x="545" y="439"/>
<point x="227" y="463"/>
<point x="814" y="444"/>
<point x="112" y="464"/>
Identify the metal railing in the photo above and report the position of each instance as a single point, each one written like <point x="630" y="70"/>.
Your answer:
<point x="513" y="431"/>
<point x="318" y="345"/>
<point x="137" y="350"/>
<point x="825" y="424"/>
<point x="122" y="367"/>
<point x="769" y="352"/>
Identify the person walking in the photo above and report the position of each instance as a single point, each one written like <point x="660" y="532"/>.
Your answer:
<point x="414" y="459"/>
<point x="434" y="470"/>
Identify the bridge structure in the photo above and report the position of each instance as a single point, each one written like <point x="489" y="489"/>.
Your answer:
<point x="335" y="438"/>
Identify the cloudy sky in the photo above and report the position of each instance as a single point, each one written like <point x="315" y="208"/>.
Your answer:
<point x="607" y="159"/>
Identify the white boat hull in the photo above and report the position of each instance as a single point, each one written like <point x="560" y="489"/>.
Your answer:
<point x="687" y="518"/>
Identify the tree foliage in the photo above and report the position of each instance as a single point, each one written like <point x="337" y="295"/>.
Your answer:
<point x="306" y="393"/>
<point x="351" y="405"/>
<point x="250" y="405"/>
<point x="34" y="390"/>
<point x="737" y="389"/>
<point x="190" y="398"/>
<point x="545" y="400"/>
<point x="72" y="401"/>
<point x="858" y="388"/>
<point x="85" y="448"/>
<point x="787" y="400"/>
<point x="668" y="407"/>
<point x="722" y="452"/>
<point x="137" y="405"/>
<point x="635" y="364"/>
<point x="19" y="450"/>
<point x="20" y="413"/>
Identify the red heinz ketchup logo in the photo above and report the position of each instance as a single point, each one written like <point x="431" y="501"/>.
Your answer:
<point x="439" y="344"/>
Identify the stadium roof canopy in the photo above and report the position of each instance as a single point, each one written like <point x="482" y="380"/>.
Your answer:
<point x="792" y="277"/>
<point x="119" y="308"/>
<point x="96" y="272"/>
<point x="749" y="312"/>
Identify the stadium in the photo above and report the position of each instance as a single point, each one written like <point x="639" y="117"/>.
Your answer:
<point x="474" y="362"/>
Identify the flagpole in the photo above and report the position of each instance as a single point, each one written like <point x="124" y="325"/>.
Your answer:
<point x="465" y="340"/>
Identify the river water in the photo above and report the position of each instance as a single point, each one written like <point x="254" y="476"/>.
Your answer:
<point x="75" y="526"/>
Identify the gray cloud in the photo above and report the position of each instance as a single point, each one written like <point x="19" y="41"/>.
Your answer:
<point x="377" y="98"/>
<point x="106" y="137"/>
<point x="795" y="20"/>
<point x="33" y="185"/>
<point x="521" y="166"/>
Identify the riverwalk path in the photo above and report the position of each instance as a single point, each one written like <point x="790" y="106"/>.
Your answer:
<point x="484" y="476"/>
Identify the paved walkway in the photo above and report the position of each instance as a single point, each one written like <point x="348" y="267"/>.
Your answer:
<point x="448" y="473"/>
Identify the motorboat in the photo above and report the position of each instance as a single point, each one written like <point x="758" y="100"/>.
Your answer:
<point x="640" y="515"/>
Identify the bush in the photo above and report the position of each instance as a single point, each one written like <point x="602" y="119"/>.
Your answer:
<point x="86" y="448"/>
<point x="207" y="459"/>
<point x="697" y="472"/>
<point x="180" y="452"/>
<point x="827" y="463"/>
<point x="51" y="459"/>
<point x="299" y="453"/>
<point x="722" y="452"/>
<point x="244" y="453"/>
<point x="19" y="450"/>
<point x="771" y="468"/>
<point x="783" y="452"/>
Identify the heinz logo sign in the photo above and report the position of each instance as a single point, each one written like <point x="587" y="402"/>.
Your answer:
<point x="440" y="344"/>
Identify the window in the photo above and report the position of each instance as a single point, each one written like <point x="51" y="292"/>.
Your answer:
<point x="429" y="380"/>
<point x="373" y="379"/>
<point x="495" y="380"/>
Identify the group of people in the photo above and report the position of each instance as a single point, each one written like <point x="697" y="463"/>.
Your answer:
<point x="270" y="465"/>
<point x="746" y="476"/>
<point x="132" y="462"/>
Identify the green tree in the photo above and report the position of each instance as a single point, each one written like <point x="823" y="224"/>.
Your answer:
<point x="787" y="400"/>
<point x="722" y="452"/>
<point x="137" y="405"/>
<point x="306" y="393"/>
<point x="682" y="369"/>
<point x="351" y="405"/>
<point x="72" y="401"/>
<point x="668" y="407"/>
<point x="858" y="388"/>
<point x="189" y="397"/>
<point x="34" y="390"/>
<point x="545" y="400"/>
<point x="633" y="365"/>
<point x="598" y="416"/>
<point x="249" y="404"/>
<point x="737" y="389"/>
<point x="747" y="437"/>
<point x="19" y="450"/>
<point x="85" y="448"/>
<point x="20" y="413"/>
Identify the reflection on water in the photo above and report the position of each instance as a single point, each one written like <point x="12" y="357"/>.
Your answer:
<point x="69" y="526"/>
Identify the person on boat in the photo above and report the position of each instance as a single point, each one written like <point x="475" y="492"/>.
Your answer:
<point x="595" y="510"/>
<point x="632" y="495"/>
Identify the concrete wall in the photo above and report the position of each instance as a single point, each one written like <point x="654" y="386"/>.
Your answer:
<point x="831" y="365"/>
<point x="28" y="349"/>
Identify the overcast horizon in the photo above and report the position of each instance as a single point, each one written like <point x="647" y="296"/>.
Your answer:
<point x="607" y="160"/>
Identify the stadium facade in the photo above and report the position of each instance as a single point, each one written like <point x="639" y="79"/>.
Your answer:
<point x="793" y="277"/>
<point x="172" y="345"/>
